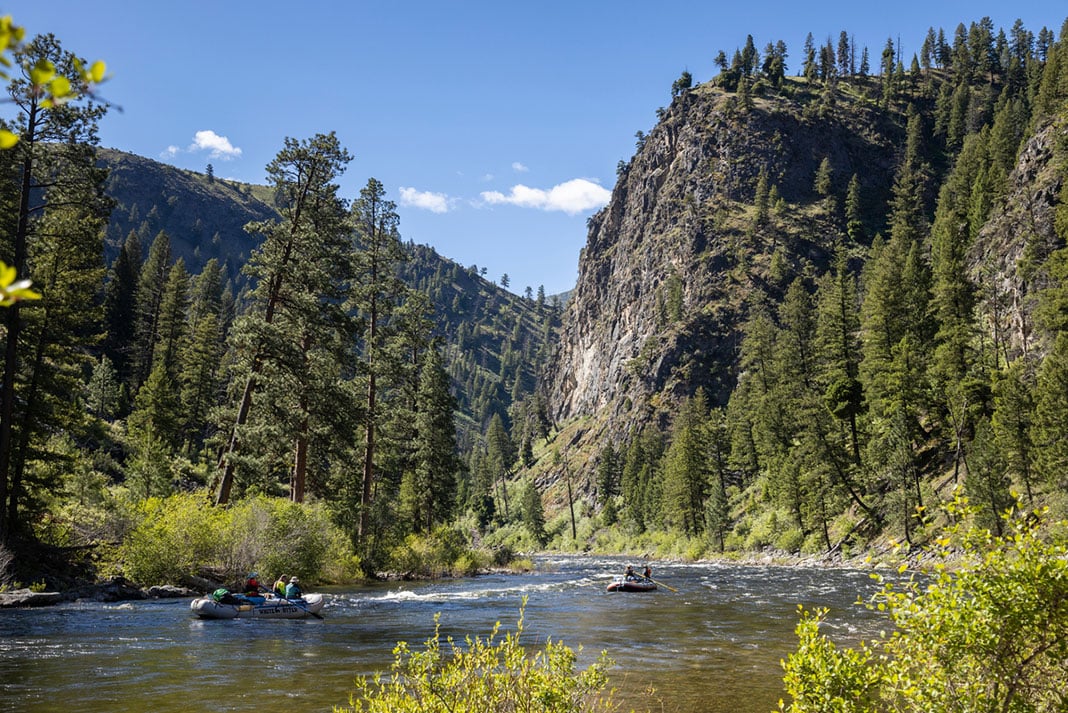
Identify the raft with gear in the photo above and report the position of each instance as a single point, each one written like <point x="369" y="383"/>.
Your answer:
<point x="223" y="605"/>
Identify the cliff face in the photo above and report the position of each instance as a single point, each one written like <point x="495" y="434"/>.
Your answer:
<point x="1007" y="259"/>
<point x="670" y="264"/>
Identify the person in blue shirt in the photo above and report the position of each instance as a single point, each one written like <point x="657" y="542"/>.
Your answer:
<point x="293" y="590"/>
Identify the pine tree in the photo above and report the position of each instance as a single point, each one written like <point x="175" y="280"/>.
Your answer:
<point x="297" y="293"/>
<point x="717" y="506"/>
<point x="103" y="390"/>
<point x="686" y="469"/>
<point x="854" y="213"/>
<point x="533" y="513"/>
<point x="120" y="305"/>
<point x="436" y="466"/>
<point x="1012" y="419"/>
<point x="56" y="147"/>
<point x="377" y="293"/>
<point x="151" y="284"/>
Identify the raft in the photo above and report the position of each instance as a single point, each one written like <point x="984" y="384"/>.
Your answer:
<point x="624" y="584"/>
<point x="258" y="608"/>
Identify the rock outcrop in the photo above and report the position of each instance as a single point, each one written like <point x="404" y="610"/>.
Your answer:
<point x="1007" y="258"/>
<point x="666" y="276"/>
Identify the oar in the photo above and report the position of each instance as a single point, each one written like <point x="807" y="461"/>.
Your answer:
<point x="661" y="584"/>
<point x="298" y="606"/>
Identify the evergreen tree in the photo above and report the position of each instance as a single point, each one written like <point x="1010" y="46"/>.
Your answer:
<point x="103" y="390"/>
<point x="533" y="513"/>
<point x="120" y="306"/>
<point x="296" y="293"/>
<point x="686" y="469"/>
<point x="1011" y="421"/>
<point x="151" y="285"/>
<point x="853" y="211"/>
<point x="607" y="475"/>
<point x="377" y="293"/>
<point x="434" y="489"/>
<point x="717" y="507"/>
<point x="51" y="179"/>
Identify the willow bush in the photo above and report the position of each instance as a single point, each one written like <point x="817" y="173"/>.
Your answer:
<point x="490" y="675"/>
<point x="182" y="535"/>
<point x="986" y="629"/>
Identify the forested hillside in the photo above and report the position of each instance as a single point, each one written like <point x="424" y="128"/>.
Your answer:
<point x="481" y="323"/>
<point x="816" y="303"/>
<point x="239" y="341"/>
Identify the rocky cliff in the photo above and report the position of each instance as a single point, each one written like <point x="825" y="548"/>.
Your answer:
<point x="1008" y="256"/>
<point x="670" y="265"/>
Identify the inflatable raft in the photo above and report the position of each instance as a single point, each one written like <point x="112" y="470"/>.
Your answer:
<point x="259" y="608"/>
<point x="632" y="584"/>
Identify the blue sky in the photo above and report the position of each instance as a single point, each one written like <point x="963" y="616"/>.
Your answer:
<point x="495" y="126"/>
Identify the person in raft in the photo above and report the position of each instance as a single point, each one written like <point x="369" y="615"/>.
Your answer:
<point x="293" y="590"/>
<point x="629" y="574"/>
<point x="280" y="586"/>
<point x="648" y="573"/>
<point x="252" y="585"/>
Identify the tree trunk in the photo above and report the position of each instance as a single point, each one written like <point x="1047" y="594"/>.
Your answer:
<point x="9" y="495"/>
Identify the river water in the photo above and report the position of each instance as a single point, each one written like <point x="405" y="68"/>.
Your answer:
<point x="715" y="645"/>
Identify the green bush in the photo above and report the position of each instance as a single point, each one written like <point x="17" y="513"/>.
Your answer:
<point x="174" y="538"/>
<point x="182" y="535"/>
<point x="485" y="675"/>
<point x="442" y="552"/>
<point x="989" y="633"/>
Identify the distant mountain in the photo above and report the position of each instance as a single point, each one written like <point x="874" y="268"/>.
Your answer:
<point x="203" y="216"/>
<point x="493" y="338"/>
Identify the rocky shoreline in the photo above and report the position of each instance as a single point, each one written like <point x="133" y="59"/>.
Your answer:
<point x="117" y="589"/>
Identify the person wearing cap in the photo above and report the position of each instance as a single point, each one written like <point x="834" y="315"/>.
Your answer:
<point x="280" y="585"/>
<point x="252" y="585"/>
<point x="293" y="590"/>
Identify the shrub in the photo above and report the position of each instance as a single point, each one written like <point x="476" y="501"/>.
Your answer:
<point x="484" y="675"/>
<point x="433" y="555"/>
<point x="180" y="535"/>
<point x="989" y="633"/>
<point x="174" y="537"/>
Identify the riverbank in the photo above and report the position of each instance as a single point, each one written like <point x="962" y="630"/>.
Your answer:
<point x="116" y="589"/>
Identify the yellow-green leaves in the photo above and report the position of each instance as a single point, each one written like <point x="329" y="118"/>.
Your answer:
<point x="96" y="72"/>
<point x="12" y="290"/>
<point x="46" y="83"/>
<point x="10" y="37"/>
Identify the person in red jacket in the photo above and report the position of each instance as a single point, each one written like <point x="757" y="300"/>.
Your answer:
<point x="252" y="585"/>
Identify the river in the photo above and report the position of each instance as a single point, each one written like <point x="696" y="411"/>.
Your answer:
<point x="715" y="645"/>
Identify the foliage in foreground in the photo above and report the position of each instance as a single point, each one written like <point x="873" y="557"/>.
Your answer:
<point x="488" y="675"/>
<point x="989" y="633"/>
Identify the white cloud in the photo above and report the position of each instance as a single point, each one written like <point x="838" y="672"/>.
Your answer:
<point x="434" y="202"/>
<point x="219" y="146"/>
<point x="519" y="168"/>
<point x="571" y="197"/>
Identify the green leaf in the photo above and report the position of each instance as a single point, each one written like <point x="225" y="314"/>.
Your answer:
<point x="42" y="73"/>
<point x="60" y="87"/>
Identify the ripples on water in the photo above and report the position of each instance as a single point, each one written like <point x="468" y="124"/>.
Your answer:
<point x="713" y="646"/>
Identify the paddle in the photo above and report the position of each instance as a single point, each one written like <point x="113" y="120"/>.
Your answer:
<point x="661" y="584"/>
<point x="298" y="606"/>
